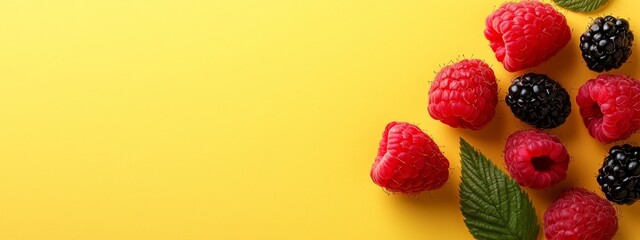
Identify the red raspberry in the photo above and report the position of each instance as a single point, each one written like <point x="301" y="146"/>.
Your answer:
<point x="610" y="107"/>
<point x="464" y="94"/>
<point x="536" y="159"/>
<point x="408" y="160"/>
<point x="580" y="214"/>
<point x="525" y="34"/>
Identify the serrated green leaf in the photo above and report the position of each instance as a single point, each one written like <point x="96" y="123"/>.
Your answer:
<point x="581" y="5"/>
<point x="493" y="205"/>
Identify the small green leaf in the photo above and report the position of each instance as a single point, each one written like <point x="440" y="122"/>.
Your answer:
<point x="581" y="5"/>
<point x="493" y="205"/>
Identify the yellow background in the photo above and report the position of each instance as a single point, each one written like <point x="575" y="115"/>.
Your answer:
<point x="246" y="119"/>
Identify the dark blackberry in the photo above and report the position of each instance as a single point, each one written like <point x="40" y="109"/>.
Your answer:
<point x="620" y="173"/>
<point x="538" y="100"/>
<point x="606" y="44"/>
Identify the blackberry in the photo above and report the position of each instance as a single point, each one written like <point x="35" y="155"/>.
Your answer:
<point x="538" y="100"/>
<point x="619" y="175"/>
<point x="606" y="44"/>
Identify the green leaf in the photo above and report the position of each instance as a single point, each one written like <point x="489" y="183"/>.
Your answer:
<point x="581" y="5"/>
<point x="493" y="205"/>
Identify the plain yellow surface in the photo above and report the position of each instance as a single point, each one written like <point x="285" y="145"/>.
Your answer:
<point x="132" y="119"/>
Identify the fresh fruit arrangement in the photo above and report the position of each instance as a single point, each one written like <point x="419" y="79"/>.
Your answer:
<point x="524" y="34"/>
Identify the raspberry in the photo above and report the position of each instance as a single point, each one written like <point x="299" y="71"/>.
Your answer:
<point x="525" y="34"/>
<point x="610" y="107"/>
<point x="408" y="160"/>
<point x="580" y="214"/>
<point x="464" y="95"/>
<point x="536" y="159"/>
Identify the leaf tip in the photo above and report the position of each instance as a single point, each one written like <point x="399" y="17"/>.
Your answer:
<point x="465" y="146"/>
<point x="463" y="142"/>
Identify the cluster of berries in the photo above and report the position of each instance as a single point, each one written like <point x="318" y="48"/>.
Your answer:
<point x="464" y="95"/>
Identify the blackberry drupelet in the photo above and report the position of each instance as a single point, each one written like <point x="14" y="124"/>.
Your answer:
<point x="538" y="100"/>
<point x="619" y="176"/>
<point x="606" y="44"/>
